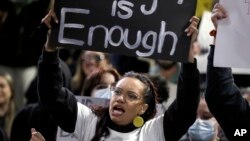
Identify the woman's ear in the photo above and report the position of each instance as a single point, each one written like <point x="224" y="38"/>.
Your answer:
<point x="144" y="108"/>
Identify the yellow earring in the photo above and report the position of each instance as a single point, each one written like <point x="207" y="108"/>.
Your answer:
<point x="138" y="121"/>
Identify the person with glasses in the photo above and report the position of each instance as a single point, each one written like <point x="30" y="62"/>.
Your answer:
<point x="88" y="62"/>
<point x="130" y="115"/>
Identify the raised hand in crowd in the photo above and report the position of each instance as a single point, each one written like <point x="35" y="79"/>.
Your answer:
<point x="48" y="20"/>
<point x="192" y="30"/>
<point x="218" y="13"/>
<point x="223" y="97"/>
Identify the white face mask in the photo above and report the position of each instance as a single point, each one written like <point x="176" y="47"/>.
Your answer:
<point x="201" y="130"/>
<point x="102" y="93"/>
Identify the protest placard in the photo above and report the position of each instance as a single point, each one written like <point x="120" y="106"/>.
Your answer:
<point x="145" y="28"/>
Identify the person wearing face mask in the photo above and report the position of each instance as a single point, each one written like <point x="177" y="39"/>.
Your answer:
<point x="202" y="130"/>
<point x="98" y="83"/>
<point x="205" y="128"/>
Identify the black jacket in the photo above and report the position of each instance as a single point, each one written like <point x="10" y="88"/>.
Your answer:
<point x="33" y="116"/>
<point x="225" y="102"/>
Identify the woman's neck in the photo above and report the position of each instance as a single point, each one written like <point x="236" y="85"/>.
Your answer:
<point x="121" y="128"/>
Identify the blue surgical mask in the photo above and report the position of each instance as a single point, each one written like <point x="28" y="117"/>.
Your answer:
<point x="102" y="93"/>
<point x="201" y="130"/>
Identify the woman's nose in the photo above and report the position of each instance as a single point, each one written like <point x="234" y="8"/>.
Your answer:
<point x="120" y="98"/>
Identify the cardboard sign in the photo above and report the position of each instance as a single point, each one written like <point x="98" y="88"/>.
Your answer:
<point x="144" y="28"/>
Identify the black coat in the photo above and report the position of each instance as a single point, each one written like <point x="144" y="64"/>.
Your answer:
<point x="225" y="101"/>
<point x="33" y="116"/>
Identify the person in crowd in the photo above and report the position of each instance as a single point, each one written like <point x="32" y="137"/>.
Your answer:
<point x="33" y="114"/>
<point x="132" y="104"/>
<point x="87" y="63"/>
<point x="99" y="82"/>
<point x="7" y="105"/>
<point x="169" y="71"/>
<point x="9" y="39"/>
<point x="223" y="97"/>
<point x="205" y="128"/>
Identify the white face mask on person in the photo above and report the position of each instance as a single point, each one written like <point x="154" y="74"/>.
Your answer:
<point x="102" y="93"/>
<point x="201" y="130"/>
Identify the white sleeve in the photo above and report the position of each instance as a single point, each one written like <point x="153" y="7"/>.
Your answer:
<point x="86" y="123"/>
<point x="153" y="130"/>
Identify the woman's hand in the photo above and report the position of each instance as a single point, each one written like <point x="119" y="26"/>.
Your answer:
<point x="192" y="30"/>
<point x="36" y="136"/>
<point x="218" y="13"/>
<point x="47" y="20"/>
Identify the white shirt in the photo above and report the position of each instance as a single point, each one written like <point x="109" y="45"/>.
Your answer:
<point x="152" y="130"/>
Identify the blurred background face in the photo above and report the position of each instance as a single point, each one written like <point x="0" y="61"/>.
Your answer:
<point x="5" y="91"/>
<point x="107" y="80"/>
<point x="92" y="60"/>
<point x="203" y="111"/>
<point x="167" y="68"/>
<point x="205" y="127"/>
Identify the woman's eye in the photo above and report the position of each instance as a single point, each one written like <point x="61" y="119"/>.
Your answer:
<point x="117" y="92"/>
<point x="132" y="96"/>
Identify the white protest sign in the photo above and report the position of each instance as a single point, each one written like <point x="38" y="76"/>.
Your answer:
<point x="232" y="41"/>
<point x="206" y="40"/>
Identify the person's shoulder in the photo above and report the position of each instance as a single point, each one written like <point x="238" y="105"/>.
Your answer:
<point x="154" y="121"/>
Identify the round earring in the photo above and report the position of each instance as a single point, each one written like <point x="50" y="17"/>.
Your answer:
<point x="138" y="121"/>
